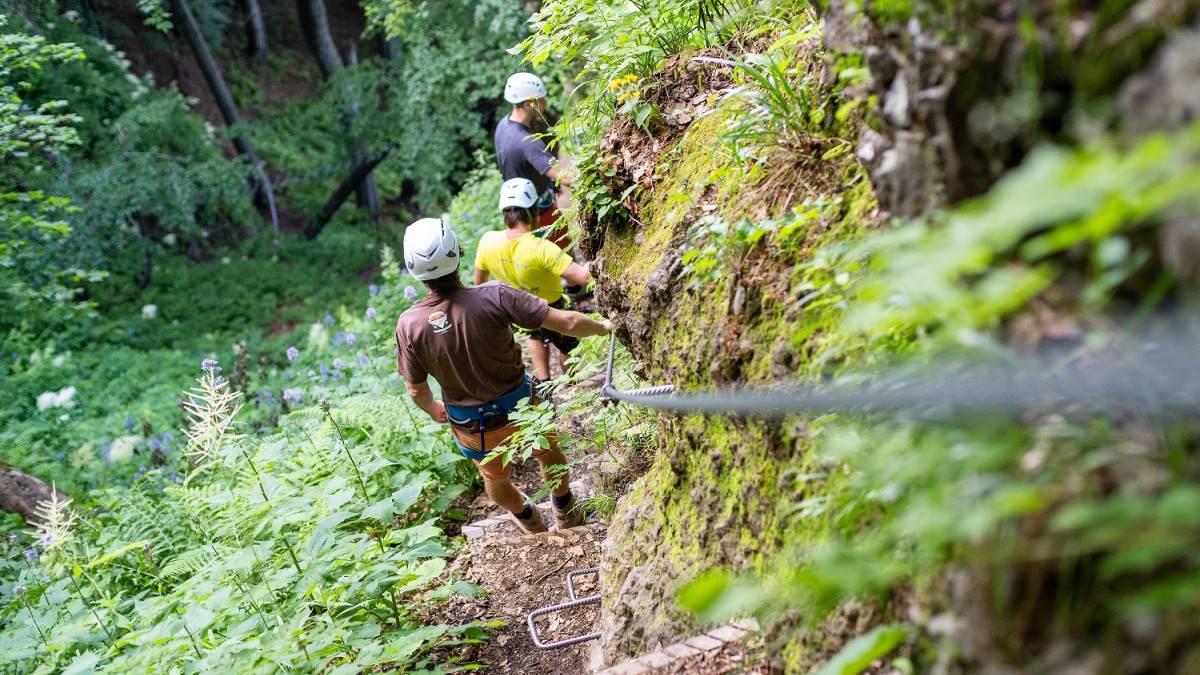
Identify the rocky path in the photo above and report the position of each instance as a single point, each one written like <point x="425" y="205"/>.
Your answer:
<point x="523" y="572"/>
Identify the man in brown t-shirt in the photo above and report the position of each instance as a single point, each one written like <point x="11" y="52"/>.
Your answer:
<point x="463" y="338"/>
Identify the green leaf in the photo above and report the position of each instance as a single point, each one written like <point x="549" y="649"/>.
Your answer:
<point x="85" y="662"/>
<point x="642" y="113"/>
<point x="380" y="510"/>
<point x="407" y="496"/>
<point x="702" y="593"/>
<point x="859" y="653"/>
<point x="197" y="618"/>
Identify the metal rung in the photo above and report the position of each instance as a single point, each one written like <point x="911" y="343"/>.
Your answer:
<point x="575" y="601"/>
<point x="537" y="640"/>
<point x="571" y="579"/>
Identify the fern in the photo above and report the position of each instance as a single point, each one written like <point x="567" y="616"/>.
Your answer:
<point x="191" y="561"/>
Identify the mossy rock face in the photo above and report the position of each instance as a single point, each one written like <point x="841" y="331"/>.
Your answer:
<point x="716" y="494"/>
<point x="966" y="89"/>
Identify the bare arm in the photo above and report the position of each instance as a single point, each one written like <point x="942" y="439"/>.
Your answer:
<point x="481" y="276"/>
<point x="423" y="397"/>
<point x="574" y="324"/>
<point x="577" y="275"/>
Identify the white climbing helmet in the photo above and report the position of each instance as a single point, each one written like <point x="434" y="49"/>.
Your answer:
<point x="431" y="249"/>
<point x="522" y="87"/>
<point x="518" y="192"/>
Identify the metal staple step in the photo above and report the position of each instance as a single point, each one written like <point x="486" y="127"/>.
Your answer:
<point x="575" y="601"/>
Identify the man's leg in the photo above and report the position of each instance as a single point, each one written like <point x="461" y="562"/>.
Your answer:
<point x="554" y="468"/>
<point x="497" y="483"/>
<point x="497" y="478"/>
<point x="539" y="353"/>
<point x="550" y="458"/>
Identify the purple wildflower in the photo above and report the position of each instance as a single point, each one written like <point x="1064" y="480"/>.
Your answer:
<point x="210" y="366"/>
<point x="292" y="353"/>
<point x="372" y="290"/>
<point x="166" y="437"/>
<point x="129" y="421"/>
<point x="410" y="293"/>
<point x="370" y="314"/>
<point x="155" y="444"/>
<point x="338" y="364"/>
<point x="363" y="360"/>
<point x="292" y="396"/>
<point x="60" y="455"/>
<point x="19" y="589"/>
<point x="351" y="338"/>
<point x="329" y="320"/>
<point x="339" y="339"/>
<point x="31" y="555"/>
<point x="324" y="370"/>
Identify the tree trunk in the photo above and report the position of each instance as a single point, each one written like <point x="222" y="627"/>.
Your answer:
<point x="147" y="271"/>
<point x="350" y="184"/>
<point x="256" y="31"/>
<point x="21" y="493"/>
<point x="388" y="49"/>
<point x="224" y="99"/>
<point x="368" y="191"/>
<point x="315" y="25"/>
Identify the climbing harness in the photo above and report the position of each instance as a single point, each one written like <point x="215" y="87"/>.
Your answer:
<point x="574" y="601"/>
<point x="1163" y="381"/>
<point x="489" y="416"/>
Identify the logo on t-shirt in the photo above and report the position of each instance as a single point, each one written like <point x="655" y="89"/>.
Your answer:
<point x="440" y="322"/>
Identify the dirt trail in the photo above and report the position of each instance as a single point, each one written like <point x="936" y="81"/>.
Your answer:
<point x="520" y="573"/>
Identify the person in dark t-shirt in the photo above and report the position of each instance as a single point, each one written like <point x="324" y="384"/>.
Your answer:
<point x="463" y="338"/>
<point x="521" y="154"/>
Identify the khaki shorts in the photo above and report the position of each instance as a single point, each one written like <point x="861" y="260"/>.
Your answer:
<point x="496" y="469"/>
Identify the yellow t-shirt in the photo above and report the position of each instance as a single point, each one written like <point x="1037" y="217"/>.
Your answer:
<point x="529" y="263"/>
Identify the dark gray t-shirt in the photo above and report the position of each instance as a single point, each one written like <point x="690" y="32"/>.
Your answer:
<point x="522" y="155"/>
<point x="466" y="342"/>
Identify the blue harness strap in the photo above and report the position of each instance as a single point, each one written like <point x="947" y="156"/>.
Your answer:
<point x="500" y="406"/>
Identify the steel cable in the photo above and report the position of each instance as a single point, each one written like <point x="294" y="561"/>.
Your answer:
<point x="1162" y="380"/>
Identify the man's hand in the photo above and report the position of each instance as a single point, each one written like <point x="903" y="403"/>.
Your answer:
<point x="438" y="412"/>
<point x="423" y="397"/>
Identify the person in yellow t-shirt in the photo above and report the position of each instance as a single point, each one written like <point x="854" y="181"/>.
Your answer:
<point x="522" y="259"/>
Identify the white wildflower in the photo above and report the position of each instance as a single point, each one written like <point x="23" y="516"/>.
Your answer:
<point x="45" y="400"/>
<point x="63" y="398"/>
<point x="71" y="15"/>
<point x="64" y="417"/>
<point x="169" y="239"/>
<point x="122" y="448"/>
<point x="59" y="360"/>
<point x="211" y="409"/>
<point x="226" y="260"/>
<point x="318" y="336"/>
<point x="149" y="311"/>
<point x="54" y="520"/>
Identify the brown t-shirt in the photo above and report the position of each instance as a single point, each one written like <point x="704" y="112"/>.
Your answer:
<point x="466" y="342"/>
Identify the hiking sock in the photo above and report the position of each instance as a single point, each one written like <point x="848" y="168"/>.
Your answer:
<point x="563" y="501"/>
<point x="526" y="514"/>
